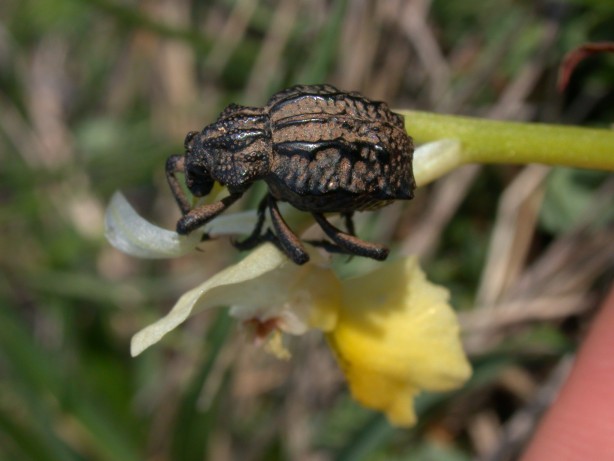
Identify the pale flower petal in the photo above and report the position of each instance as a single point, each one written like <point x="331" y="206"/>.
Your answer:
<point x="396" y="335"/>
<point x="265" y="285"/>
<point x="435" y="159"/>
<point x="127" y="231"/>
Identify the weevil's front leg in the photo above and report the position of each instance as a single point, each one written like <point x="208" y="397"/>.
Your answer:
<point x="175" y="164"/>
<point x="287" y="239"/>
<point x="256" y="237"/>
<point x="198" y="216"/>
<point x="349" y="243"/>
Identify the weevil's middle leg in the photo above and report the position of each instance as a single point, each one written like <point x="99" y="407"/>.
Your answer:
<point x="349" y="243"/>
<point x="256" y="237"/>
<point x="283" y="237"/>
<point x="287" y="239"/>
<point x="349" y="222"/>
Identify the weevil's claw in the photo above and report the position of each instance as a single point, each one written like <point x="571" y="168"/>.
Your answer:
<point x="248" y="243"/>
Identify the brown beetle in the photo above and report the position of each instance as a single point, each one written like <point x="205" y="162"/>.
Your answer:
<point x="318" y="148"/>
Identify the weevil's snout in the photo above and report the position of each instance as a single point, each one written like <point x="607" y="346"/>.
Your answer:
<point x="199" y="182"/>
<point x="197" y="176"/>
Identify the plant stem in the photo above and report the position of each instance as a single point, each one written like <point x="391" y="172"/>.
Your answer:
<point x="491" y="141"/>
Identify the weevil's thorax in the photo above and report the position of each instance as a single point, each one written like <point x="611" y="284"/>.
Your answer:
<point x="235" y="149"/>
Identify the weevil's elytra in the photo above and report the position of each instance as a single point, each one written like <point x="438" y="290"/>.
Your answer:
<point x="318" y="148"/>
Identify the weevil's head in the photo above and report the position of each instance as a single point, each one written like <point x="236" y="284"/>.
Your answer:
<point x="233" y="151"/>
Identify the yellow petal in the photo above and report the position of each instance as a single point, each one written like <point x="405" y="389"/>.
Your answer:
<point x="396" y="335"/>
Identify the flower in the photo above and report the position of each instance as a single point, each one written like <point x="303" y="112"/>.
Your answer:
<point x="396" y="335"/>
<point x="392" y="331"/>
<point x="265" y="290"/>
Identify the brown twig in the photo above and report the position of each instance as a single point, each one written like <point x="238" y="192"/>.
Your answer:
<point x="577" y="55"/>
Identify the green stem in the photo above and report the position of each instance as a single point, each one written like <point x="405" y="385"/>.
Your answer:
<point x="490" y="141"/>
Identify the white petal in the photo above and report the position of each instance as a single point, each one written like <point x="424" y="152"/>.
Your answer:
<point x="264" y="286"/>
<point x="224" y="288"/>
<point x="130" y="233"/>
<point x="434" y="159"/>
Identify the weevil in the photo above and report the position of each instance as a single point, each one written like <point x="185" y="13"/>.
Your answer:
<point x="318" y="148"/>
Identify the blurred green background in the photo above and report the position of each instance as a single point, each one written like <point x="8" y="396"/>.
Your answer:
<point x="95" y="95"/>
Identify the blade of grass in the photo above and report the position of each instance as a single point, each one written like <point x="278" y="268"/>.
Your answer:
<point x="43" y="385"/>
<point x="377" y="431"/>
<point x="192" y="427"/>
<point x="30" y="443"/>
<point x="326" y="48"/>
<point x="133" y="18"/>
<point x="367" y="440"/>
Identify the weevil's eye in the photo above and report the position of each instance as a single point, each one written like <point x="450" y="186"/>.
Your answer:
<point x="187" y="144"/>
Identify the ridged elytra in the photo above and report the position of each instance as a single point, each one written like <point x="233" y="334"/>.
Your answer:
<point x="320" y="149"/>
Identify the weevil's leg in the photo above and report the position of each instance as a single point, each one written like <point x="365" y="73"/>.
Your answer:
<point x="330" y="246"/>
<point x="349" y="243"/>
<point x="327" y="245"/>
<point x="198" y="216"/>
<point x="288" y="240"/>
<point x="174" y="165"/>
<point x="256" y="237"/>
<point x="349" y="222"/>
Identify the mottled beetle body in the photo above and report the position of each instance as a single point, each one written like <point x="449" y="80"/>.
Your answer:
<point x="318" y="148"/>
